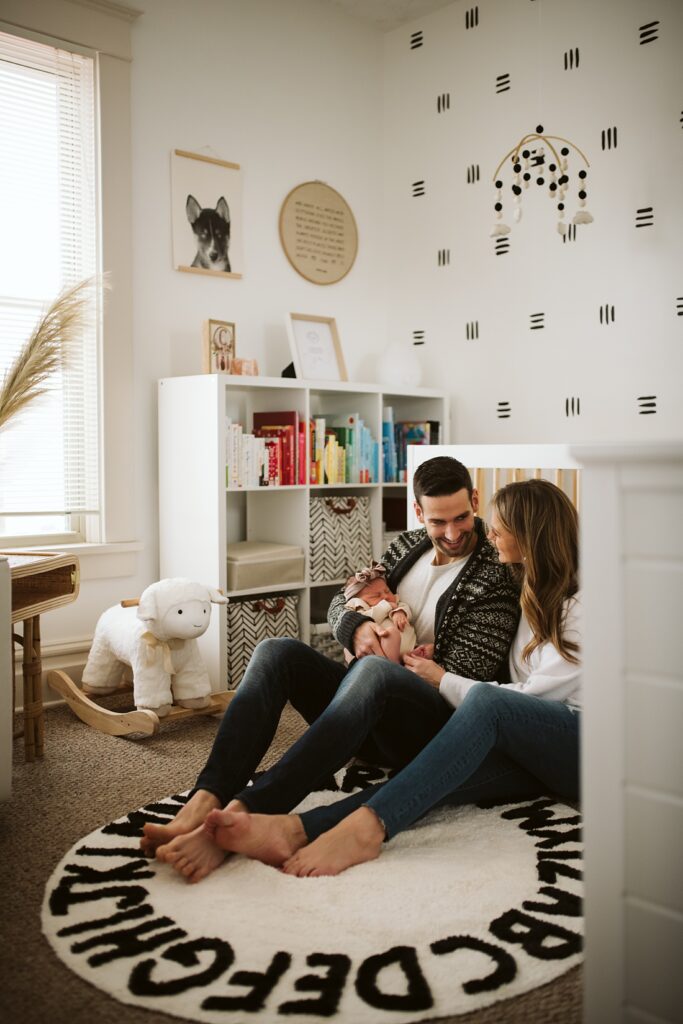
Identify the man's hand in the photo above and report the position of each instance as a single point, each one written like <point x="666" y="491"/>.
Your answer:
<point x="366" y="639"/>
<point x="422" y="651"/>
<point x="425" y="668"/>
<point x="400" y="619"/>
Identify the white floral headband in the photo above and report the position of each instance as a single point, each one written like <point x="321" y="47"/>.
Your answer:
<point x="375" y="571"/>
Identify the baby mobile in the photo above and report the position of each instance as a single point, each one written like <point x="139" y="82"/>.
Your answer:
<point x="531" y="161"/>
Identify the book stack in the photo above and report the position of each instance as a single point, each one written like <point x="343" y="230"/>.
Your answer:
<point x="246" y="458"/>
<point x="395" y="439"/>
<point x="344" y="451"/>
<point x="284" y="438"/>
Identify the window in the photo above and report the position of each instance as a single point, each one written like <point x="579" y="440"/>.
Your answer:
<point x="49" y="452"/>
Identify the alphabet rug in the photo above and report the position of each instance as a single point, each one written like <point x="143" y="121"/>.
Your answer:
<point x="471" y="906"/>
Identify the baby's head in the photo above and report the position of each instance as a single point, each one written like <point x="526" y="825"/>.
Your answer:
<point x="369" y="584"/>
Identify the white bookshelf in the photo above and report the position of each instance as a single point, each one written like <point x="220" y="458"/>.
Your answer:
<point x="199" y="515"/>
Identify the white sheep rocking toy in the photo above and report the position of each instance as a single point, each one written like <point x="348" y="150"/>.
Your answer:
<point x="157" y="641"/>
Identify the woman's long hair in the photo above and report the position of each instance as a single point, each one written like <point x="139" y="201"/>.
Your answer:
<point x="545" y="526"/>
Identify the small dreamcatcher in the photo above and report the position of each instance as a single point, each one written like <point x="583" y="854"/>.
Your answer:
<point x="535" y="158"/>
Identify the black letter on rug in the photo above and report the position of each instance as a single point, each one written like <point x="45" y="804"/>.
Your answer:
<point x="565" y="904"/>
<point x="126" y="942"/>
<point x="262" y="984"/>
<point x="330" y="985"/>
<point x="504" y="973"/>
<point x="418" y="996"/>
<point x="140" y="982"/>
<point x="531" y="935"/>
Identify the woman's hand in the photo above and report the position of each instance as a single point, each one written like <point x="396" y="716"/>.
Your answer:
<point x="425" y="668"/>
<point x="422" y="651"/>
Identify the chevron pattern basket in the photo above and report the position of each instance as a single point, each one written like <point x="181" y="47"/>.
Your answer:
<point x="340" y="537"/>
<point x="249" y="622"/>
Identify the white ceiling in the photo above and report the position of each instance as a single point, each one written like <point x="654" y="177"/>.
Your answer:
<point x="388" y="14"/>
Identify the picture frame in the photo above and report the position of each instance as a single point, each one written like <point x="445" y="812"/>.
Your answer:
<point x="206" y="214"/>
<point x="218" y="346"/>
<point x="315" y="346"/>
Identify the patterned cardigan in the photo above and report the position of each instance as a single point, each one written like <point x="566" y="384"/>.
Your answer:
<point x="476" y="618"/>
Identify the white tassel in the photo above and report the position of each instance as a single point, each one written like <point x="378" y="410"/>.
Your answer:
<point x="562" y="228"/>
<point x="499" y="229"/>
<point x="517" y="213"/>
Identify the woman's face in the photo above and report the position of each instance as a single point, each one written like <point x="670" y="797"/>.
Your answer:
<point x="506" y="545"/>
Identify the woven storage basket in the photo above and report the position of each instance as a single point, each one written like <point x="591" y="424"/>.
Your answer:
<point x="340" y="537"/>
<point x="250" y="621"/>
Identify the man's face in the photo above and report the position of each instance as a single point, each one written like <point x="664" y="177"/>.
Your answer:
<point x="449" y="522"/>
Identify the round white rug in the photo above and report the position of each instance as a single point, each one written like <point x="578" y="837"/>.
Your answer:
<point x="469" y="907"/>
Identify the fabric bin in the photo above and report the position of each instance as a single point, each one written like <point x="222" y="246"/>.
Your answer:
<point x="340" y="537"/>
<point x="324" y="642"/>
<point x="255" y="563"/>
<point x="250" y="621"/>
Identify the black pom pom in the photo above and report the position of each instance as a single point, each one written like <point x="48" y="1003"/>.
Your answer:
<point x="540" y="181"/>
<point x="517" y="168"/>
<point x="499" y="184"/>
<point x="527" y="176"/>
<point x="563" y="180"/>
<point x="525" y="154"/>
<point x="582" y="194"/>
<point x="560" y="206"/>
<point x="564" y="151"/>
<point x="539" y="129"/>
<point x="516" y="189"/>
<point x="582" y="174"/>
<point x="498" y="206"/>
<point x="552" y="167"/>
<point x="553" y="186"/>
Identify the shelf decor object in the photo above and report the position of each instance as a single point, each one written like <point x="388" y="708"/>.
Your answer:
<point x="206" y="210"/>
<point x="318" y="232"/>
<point x="535" y="159"/>
<point x="218" y="346"/>
<point x="315" y="346"/>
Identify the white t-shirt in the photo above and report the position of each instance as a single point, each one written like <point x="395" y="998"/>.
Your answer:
<point x="421" y="588"/>
<point x="546" y="674"/>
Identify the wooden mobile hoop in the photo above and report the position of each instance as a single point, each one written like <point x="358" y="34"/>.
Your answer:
<point x="528" y="162"/>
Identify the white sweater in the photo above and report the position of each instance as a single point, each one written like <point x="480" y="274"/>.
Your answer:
<point x="546" y="674"/>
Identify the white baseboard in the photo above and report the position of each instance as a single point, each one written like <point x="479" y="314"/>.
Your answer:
<point x="68" y="657"/>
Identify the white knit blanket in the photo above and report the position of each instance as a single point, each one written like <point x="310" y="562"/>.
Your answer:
<point x="469" y="907"/>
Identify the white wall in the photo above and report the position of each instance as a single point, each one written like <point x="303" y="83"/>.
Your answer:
<point x="618" y="83"/>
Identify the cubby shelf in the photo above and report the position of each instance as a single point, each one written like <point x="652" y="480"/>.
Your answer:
<point x="199" y="515"/>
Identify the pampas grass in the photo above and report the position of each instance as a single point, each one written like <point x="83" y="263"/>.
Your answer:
<point x="48" y="349"/>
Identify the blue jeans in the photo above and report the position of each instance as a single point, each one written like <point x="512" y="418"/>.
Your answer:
<point x="376" y="709"/>
<point x="500" y="745"/>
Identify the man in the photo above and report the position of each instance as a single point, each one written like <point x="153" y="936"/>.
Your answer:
<point x="465" y="608"/>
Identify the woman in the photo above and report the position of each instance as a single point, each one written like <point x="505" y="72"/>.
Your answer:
<point x="505" y="742"/>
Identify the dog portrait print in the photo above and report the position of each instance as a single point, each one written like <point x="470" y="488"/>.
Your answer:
<point x="206" y="213"/>
<point x="211" y="229"/>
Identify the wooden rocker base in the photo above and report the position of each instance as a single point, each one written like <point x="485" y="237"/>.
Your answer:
<point x="125" y="723"/>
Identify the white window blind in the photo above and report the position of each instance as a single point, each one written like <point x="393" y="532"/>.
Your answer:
<point x="49" y="452"/>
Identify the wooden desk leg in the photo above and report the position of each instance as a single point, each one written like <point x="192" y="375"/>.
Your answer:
<point x="33" y="694"/>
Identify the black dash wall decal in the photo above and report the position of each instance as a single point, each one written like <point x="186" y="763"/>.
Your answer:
<point x="609" y="138"/>
<point x="572" y="406"/>
<point x="502" y="83"/>
<point x="645" y="217"/>
<point x="472" y="174"/>
<point x="649" y="32"/>
<point x="418" y="337"/>
<point x="647" y="405"/>
<point x="537" y="321"/>
<point x="502" y="246"/>
<point x="443" y="102"/>
<point x="418" y="189"/>
<point x="504" y="411"/>
<point x="571" y="59"/>
<point x="606" y="314"/>
<point x="472" y="330"/>
<point x="444" y="257"/>
<point x="416" y="40"/>
<point x="679" y="305"/>
<point x="570" y="233"/>
<point x="472" y="18"/>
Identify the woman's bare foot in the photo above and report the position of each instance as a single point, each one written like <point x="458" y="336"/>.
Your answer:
<point x="354" y="840"/>
<point x="186" y="820"/>
<point x="270" y="838"/>
<point x="192" y="855"/>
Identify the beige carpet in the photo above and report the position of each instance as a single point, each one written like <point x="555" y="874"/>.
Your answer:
<point x="85" y="780"/>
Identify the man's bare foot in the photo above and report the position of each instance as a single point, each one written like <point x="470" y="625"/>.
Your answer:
<point x="354" y="840"/>
<point x="270" y="838"/>
<point x="186" y="820"/>
<point x="192" y="855"/>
